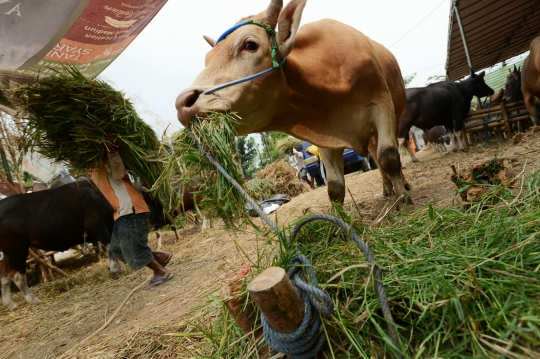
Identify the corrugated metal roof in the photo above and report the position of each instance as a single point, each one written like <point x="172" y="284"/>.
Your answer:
<point x="496" y="79"/>
<point x="495" y="30"/>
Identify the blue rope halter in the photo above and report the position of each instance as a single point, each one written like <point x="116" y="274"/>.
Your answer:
<point x="273" y="54"/>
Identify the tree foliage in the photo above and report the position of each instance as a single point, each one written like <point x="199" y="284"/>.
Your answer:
<point x="247" y="149"/>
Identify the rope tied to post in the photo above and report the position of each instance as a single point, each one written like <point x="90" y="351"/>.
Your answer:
<point x="307" y="340"/>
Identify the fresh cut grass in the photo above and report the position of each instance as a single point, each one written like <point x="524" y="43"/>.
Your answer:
<point x="461" y="283"/>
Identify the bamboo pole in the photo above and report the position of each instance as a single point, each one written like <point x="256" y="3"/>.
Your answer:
<point x="278" y="300"/>
<point x="507" y="126"/>
<point x="54" y="268"/>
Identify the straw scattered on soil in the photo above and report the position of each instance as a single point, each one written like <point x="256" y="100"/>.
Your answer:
<point x="203" y="260"/>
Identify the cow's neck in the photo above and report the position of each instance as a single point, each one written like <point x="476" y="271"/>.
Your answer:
<point x="304" y="113"/>
<point x="467" y="90"/>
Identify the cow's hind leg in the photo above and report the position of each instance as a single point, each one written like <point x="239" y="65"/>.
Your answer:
<point x="159" y="234"/>
<point x="20" y="280"/>
<point x="333" y="159"/>
<point x="98" y="231"/>
<point x="530" y="103"/>
<point x="387" y="150"/>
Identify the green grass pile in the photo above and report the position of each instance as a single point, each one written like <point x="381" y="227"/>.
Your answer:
<point x="67" y="116"/>
<point x="285" y="145"/>
<point x="261" y="188"/>
<point x="461" y="284"/>
<point x="214" y="134"/>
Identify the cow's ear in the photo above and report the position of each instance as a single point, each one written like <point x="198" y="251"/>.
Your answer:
<point x="481" y="74"/>
<point x="271" y="14"/>
<point x="288" y="24"/>
<point x="209" y="40"/>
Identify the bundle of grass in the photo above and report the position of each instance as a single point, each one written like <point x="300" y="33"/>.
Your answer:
<point x="261" y="188"/>
<point x="214" y="135"/>
<point x="284" y="178"/>
<point x="460" y="283"/>
<point x="485" y="178"/>
<point x="284" y="146"/>
<point x="66" y="118"/>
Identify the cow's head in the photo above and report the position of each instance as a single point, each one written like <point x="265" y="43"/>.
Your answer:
<point x="242" y="53"/>
<point x="478" y="86"/>
<point x="512" y="87"/>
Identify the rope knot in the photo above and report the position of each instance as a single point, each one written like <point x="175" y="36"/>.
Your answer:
<point x="306" y="341"/>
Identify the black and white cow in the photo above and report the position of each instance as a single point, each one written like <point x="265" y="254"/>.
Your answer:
<point x="53" y="220"/>
<point x="440" y="104"/>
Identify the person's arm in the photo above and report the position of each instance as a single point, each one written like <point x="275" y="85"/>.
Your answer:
<point x="116" y="165"/>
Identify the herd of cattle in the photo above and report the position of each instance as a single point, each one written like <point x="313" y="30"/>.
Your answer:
<point x="325" y="82"/>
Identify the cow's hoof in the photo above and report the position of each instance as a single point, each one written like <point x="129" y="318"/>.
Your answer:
<point x="10" y="305"/>
<point x="408" y="187"/>
<point x="114" y="275"/>
<point x="33" y="300"/>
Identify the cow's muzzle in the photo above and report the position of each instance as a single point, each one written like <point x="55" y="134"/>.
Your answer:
<point x="186" y="105"/>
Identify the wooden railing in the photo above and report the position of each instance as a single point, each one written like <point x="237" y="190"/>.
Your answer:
<point x="500" y="116"/>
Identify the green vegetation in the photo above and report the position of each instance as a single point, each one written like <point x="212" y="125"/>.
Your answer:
<point x="461" y="283"/>
<point x="214" y="134"/>
<point x="66" y="118"/>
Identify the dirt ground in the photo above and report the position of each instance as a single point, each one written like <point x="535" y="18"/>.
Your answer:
<point x="72" y="309"/>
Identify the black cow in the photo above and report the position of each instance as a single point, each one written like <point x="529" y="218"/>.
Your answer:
<point x="443" y="103"/>
<point x="53" y="220"/>
<point x="158" y="217"/>
<point x="436" y="136"/>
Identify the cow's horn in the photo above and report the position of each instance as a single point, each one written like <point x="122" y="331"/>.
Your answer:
<point x="272" y="13"/>
<point x="209" y="40"/>
<point x="472" y="71"/>
<point x="515" y="70"/>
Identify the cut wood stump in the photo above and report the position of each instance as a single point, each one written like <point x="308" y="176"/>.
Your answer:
<point x="278" y="300"/>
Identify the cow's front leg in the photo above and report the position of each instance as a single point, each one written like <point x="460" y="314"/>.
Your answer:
<point x="333" y="161"/>
<point x="114" y="266"/>
<point x="405" y="143"/>
<point x="530" y="104"/>
<point x="5" y="283"/>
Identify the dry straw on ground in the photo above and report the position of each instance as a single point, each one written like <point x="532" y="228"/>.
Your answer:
<point x="284" y="177"/>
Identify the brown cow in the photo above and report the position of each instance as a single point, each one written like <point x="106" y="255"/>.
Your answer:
<point x="530" y="81"/>
<point x="337" y="89"/>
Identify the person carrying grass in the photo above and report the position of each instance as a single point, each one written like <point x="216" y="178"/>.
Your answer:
<point x="129" y="240"/>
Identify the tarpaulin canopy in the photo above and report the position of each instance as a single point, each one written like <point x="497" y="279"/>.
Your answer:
<point x="495" y="30"/>
<point x="38" y="37"/>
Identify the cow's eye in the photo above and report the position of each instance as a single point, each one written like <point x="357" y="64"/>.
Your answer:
<point x="251" y="46"/>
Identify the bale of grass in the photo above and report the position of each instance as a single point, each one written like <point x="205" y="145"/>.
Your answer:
<point x="461" y="283"/>
<point x="261" y="188"/>
<point x="285" y="145"/>
<point x="283" y="175"/>
<point x="211" y="134"/>
<point x="66" y="118"/>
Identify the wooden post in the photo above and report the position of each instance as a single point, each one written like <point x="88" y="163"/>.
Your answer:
<point x="41" y="261"/>
<point x="464" y="138"/>
<point x="277" y="299"/>
<point x="243" y="313"/>
<point x="506" y="121"/>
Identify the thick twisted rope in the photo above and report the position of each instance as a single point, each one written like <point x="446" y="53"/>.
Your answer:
<point x="306" y="341"/>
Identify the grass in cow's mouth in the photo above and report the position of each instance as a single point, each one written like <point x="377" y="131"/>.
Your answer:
<point x="214" y="134"/>
<point x="67" y="116"/>
<point x="461" y="283"/>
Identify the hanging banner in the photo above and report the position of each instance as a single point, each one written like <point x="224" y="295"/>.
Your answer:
<point x="39" y="37"/>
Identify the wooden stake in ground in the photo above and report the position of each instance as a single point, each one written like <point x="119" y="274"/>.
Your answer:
<point x="39" y="260"/>
<point x="277" y="299"/>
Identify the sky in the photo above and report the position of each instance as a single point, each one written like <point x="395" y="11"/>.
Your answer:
<point x="169" y="53"/>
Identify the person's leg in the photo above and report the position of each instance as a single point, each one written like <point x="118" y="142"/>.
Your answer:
<point x="323" y="174"/>
<point x="133" y="231"/>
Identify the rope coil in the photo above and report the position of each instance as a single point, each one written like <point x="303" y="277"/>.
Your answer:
<point x="308" y="339"/>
